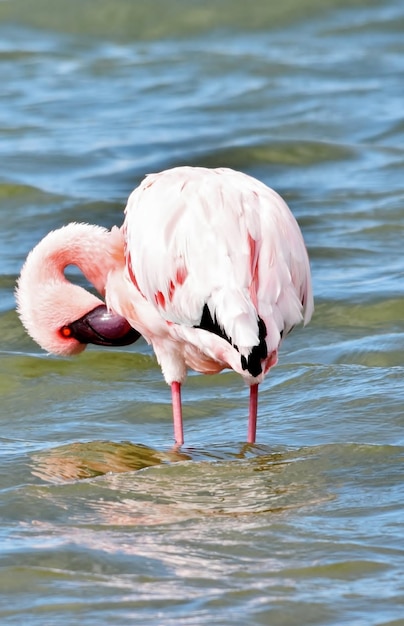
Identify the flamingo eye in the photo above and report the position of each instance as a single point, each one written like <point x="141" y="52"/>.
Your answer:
<point x="66" y="331"/>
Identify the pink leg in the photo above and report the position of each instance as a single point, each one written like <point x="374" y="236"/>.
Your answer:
<point x="177" y="413"/>
<point x="252" y="415"/>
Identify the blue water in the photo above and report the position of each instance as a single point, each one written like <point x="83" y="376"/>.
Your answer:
<point x="102" y="522"/>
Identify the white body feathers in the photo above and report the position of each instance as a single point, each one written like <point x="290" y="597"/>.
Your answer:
<point x="220" y="238"/>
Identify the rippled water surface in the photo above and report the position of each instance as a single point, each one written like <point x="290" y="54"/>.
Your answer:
<point x="102" y="521"/>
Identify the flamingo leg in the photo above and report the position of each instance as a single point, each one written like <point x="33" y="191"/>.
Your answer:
<point x="177" y="413"/>
<point x="252" y="414"/>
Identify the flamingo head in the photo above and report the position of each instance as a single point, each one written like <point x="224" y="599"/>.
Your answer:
<point x="60" y="316"/>
<point x="101" y="327"/>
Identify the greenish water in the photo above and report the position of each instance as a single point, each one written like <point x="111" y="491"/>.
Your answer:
<point x="102" y="522"/>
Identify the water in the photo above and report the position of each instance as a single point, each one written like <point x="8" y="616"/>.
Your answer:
<point x="101" y="521"/>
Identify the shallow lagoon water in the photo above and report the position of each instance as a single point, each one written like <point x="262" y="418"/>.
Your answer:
<point x="102" y="522"/>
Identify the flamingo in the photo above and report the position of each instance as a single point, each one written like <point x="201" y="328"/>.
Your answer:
<point x="209" y="266"/>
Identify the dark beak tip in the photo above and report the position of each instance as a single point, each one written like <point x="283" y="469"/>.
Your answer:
<point x="103" y="327"/>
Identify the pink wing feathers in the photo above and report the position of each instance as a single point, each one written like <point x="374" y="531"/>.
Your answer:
<point x="220" y="238"/>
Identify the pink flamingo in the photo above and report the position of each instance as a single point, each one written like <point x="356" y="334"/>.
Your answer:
<point x="209" y="266"/>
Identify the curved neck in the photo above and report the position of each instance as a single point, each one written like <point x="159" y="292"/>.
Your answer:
<point x="93" y="249"/>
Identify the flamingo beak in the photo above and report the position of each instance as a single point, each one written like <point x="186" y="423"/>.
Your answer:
<point x="103" y="328"/>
